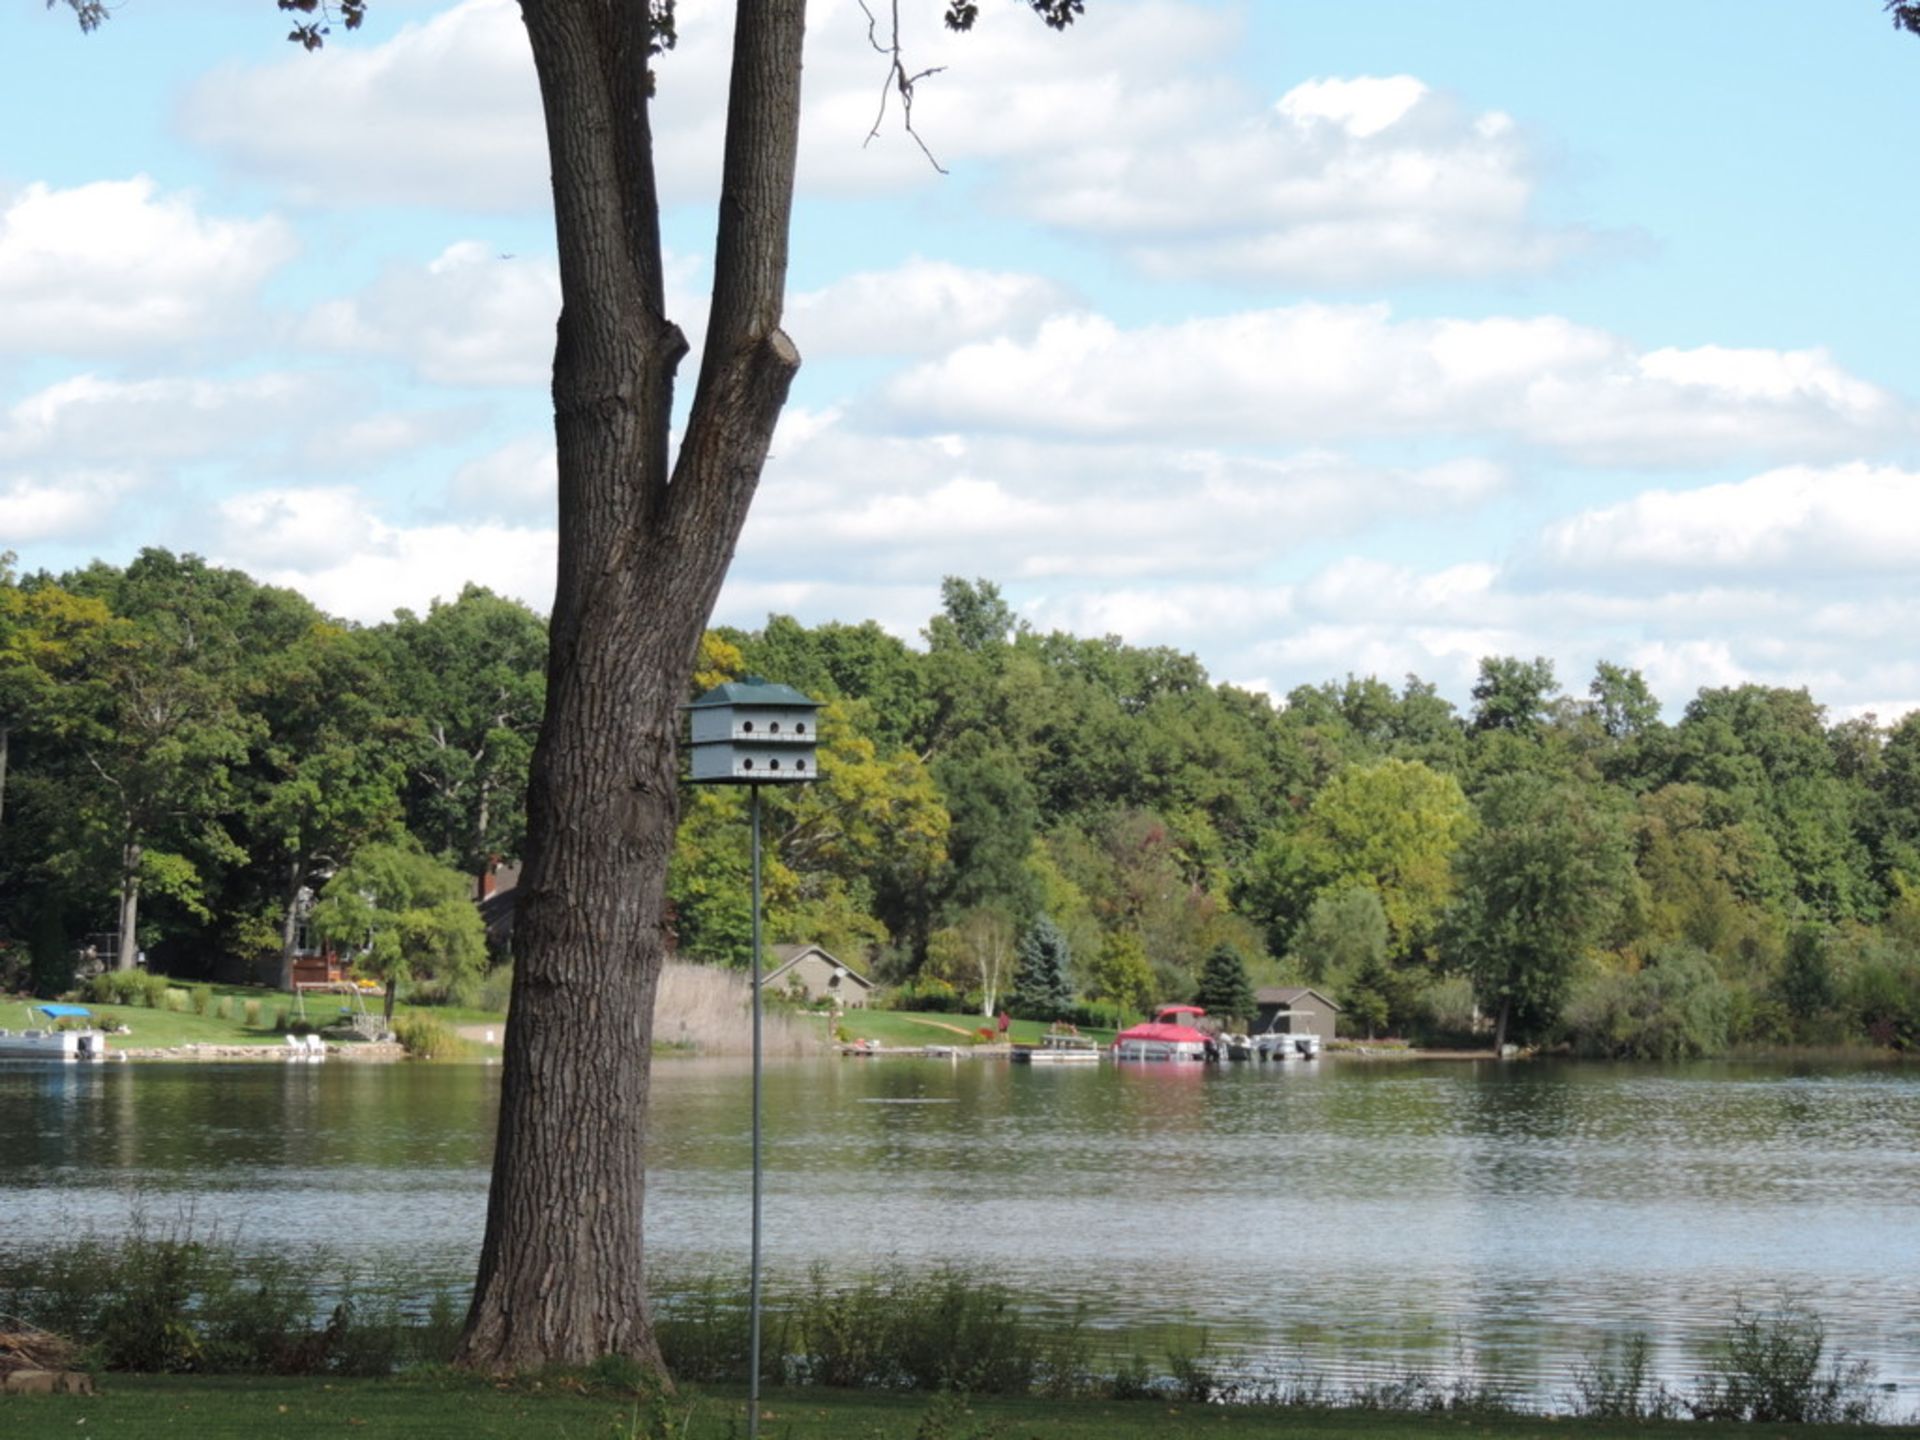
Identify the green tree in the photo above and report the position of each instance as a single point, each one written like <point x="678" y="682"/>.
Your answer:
<point x="1225" y="991"/>
<point x="1547" y="872"/>
<point x="156" y="731"/>
<point x="1512" y="694"/>
<point x="1392" y="826"/>
<point x="1041" y="990"/>
<point x="472" y="675"/>
<point x="1344" y="935"/>
<point x="404" y="916"/>
<point x="47" y="636"/>
<point x="324" y="778"/>
<point x="1120" y="972"/>
<point x="1624" y="706"/>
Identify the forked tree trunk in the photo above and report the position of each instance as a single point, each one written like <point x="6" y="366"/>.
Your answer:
<point x="642" y="556"/>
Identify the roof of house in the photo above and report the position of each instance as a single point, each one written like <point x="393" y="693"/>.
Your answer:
<point x="1291" y="995"/>
<point x="788" y="956"/>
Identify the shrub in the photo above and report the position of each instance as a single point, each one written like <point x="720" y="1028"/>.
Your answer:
<point x="1768" y="1369"/>
<point x="1447" y="1014"/>
<point x="497" y="988"/>
<point x="427" y="1038"/>
<point x="202" y="999"/>
<point x="250" y="1013"/>
<point x="223" y="1008"/>
<point x="152" y="989"/>
<point x="930" y="996"/>
<point x="177" y="1002"/>
<point x="1614" y="1384"/>
<point x="181" y="1301"/>
<point x="1676" y="1008"/>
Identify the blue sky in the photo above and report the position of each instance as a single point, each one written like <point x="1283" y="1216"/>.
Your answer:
<point x="1314" y="338"/>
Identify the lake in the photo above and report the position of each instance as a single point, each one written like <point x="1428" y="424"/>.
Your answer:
<point x="1348" y="1218"/>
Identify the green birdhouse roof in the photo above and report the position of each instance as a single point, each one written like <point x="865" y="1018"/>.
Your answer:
<point x="754" y="691"/>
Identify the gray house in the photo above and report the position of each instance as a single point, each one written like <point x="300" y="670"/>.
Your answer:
<point x="1295" y="1010"/>
<point x="813" y="973"/>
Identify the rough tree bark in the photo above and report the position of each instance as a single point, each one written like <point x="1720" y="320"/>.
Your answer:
<point x="643" y="552"/>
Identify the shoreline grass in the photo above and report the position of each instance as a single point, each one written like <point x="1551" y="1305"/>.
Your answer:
<point x="454" y="1405"/>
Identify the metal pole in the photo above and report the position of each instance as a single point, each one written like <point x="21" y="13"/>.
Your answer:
<point x="753" y="1284"/>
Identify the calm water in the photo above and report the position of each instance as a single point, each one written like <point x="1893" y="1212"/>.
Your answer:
<point x="1344" y="1218"/>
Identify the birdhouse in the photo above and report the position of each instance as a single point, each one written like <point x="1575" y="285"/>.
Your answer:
<point x="752" y="732"/>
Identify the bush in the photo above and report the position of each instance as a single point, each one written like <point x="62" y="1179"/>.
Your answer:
<point x="177" y="1002"/>
<point x="1768" y="1369"/>
<point x="202" y="999"/>
<point x="250" y="1013"/>
<point x="1614" y="1384"/>
<point x="1446" y="1014"/>
<point x="223" y="1008"/>
<point x="497" y="988"/>
<point x="906" y="1331"/>
<point x="1674" y="1009"/>
<point x="427" y="1038"/>
<point x="931" y="996"/>
<point x="181" y="1301"/>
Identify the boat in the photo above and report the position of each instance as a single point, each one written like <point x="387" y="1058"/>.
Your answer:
<point x="1168" y="1036"/>
<point x="1277" y="1045"/>
<point x="1058" y="1047"/>
<point x="58" y="1039"/>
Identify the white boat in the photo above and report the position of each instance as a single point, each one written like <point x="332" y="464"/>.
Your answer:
<point x="55" y="1041"/>
<point x="1273" y="1045"/>
<point x="1064" y="1047"/>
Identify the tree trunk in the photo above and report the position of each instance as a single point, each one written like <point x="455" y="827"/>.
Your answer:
<point x="1500" y="1024"/>
<point x="290" y="925"/>
<point x="642" y="556"/>
<point x="129" y="905"/>
<point x="5" y="734"/>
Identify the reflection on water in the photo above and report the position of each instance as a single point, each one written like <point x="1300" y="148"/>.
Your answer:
<point x="1346" y="1218"/>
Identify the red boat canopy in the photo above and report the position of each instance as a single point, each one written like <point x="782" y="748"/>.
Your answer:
<point x="1179" y="1010"/>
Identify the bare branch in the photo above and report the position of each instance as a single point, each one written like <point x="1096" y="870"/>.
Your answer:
<point x="898" y="78"/>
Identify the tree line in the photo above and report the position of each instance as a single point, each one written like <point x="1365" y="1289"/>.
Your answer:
<point x="198" y="765"/>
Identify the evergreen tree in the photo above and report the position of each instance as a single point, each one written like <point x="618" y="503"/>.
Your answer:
<point x="1225" y="991"/>
<point x="1040" y="989"/>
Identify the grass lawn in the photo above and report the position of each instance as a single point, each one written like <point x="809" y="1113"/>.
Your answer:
<point x="163" y="1029"/>
<point x="214" y="1409"/>
<point x="907" y="1027"/>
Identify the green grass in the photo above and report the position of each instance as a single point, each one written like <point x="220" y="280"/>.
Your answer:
<point x="164" y="1029"/>
<point x="454" y="1406"/>
<point x="907" y="1027"/>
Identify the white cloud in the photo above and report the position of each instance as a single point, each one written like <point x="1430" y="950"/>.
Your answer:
<point x="894" y="508"/>
<point x="1128" y="130"/>
<point x="445" y="113"/>
<point x="330" y="544"/>
<point x="922" y="307"/>
<point x="1799" y="521"/>
<point x="1361" y="107"/>
<point x="115" y="266"/>
<point x="88" y="418"/>
<point x="468" y="317"/>
<point x="517" y="482"/>
<point x="1343" y="181"/>
<point x="77" y="505"/>
<point x="1320" y="373"/>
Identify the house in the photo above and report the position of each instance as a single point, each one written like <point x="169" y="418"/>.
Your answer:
<point x="1295" y="1010"/>
<point x="811" y="972"/>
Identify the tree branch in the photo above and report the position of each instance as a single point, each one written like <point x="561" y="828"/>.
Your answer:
<point x="899" y="79"/>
